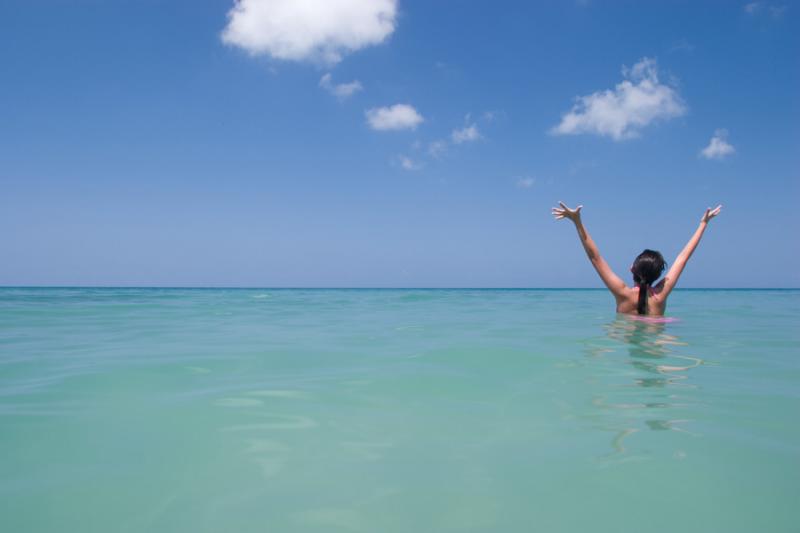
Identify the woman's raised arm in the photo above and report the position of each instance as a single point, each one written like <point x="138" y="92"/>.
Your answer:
<point x="680" y="262"/>
<point x="612" y="281"/>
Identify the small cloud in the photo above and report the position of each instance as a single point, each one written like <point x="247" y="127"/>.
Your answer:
<point x="526" y="182"/>
<point x="493" y="115"/>
<point x="309" y="30"/>
<point x="437" y="148"/>
<point x="753" y="7"/>
<point x="445" y="69"/>
<point x="777" y="11"/>
<point x="718" y="147"/>
<point x="396" y="117"/>
<point x="621" y="113"/>
<point x="682" y="45"/>
<point x="756" y="8"/>
<point x="409" y="164"/>
<point x="342" y="91"/>
<point x="468" y="133"/>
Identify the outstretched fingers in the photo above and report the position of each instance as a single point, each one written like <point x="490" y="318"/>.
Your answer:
<point x="711" y="213"/>
<point x="566" y="212"/>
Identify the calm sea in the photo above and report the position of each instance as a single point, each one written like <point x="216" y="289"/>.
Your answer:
<point x="172" y="410"/>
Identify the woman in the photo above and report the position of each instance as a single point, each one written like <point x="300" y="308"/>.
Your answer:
<point x="644" y="298"/>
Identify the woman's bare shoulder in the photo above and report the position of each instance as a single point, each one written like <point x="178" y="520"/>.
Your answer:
<point x="658" y="290"/>
<point x="628" y="300"/>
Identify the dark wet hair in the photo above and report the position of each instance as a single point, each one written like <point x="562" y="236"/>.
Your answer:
<point x="647" y="267"/>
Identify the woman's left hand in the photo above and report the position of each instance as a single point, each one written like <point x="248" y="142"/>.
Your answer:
<point x="711" y="213"/>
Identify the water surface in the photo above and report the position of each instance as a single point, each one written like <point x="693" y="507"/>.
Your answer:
<point x="212" y="410"/>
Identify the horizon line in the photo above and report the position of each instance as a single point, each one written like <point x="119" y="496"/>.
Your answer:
<point x="258" y="287"/>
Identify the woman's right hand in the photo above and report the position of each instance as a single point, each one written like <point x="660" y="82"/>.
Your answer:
<point x="565" y="212"/>
<point x="710" y="213"/>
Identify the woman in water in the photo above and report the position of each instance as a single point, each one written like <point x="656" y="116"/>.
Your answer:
<point x="644" y="298"/>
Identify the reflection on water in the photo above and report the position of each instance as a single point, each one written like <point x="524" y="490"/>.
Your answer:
<point x="649" y="388"/>
<point x="651" y="348"/>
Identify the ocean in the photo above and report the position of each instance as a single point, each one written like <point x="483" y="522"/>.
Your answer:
<point x="361" y="410"/>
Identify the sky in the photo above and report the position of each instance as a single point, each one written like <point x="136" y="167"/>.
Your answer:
<point x="394" y="143"/>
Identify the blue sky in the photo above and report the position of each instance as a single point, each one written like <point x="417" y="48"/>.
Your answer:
<point x="182" y="143"/>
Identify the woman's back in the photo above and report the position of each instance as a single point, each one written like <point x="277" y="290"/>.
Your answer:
<point x="646" y="269"/>
<point x="656" y="301"/>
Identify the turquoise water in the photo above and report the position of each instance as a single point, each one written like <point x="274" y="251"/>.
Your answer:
<point x="170" y="410"/>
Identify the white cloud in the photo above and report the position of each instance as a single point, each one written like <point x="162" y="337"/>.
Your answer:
<point x="437" y="148"/>
<point x="526" y="183"/>
<point x="752" y="7"/>
<point x="718" y="147"/>
<point x="396" y="117"/>
<point x="466" y="134"/>
<point x="316" y="30"/>
<point x="341" y="90"/>
<point x="409" y="164"/>
<point x="777" y="11"/>
<point x="620" y="113"/>
<point x="682" y="45"/>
